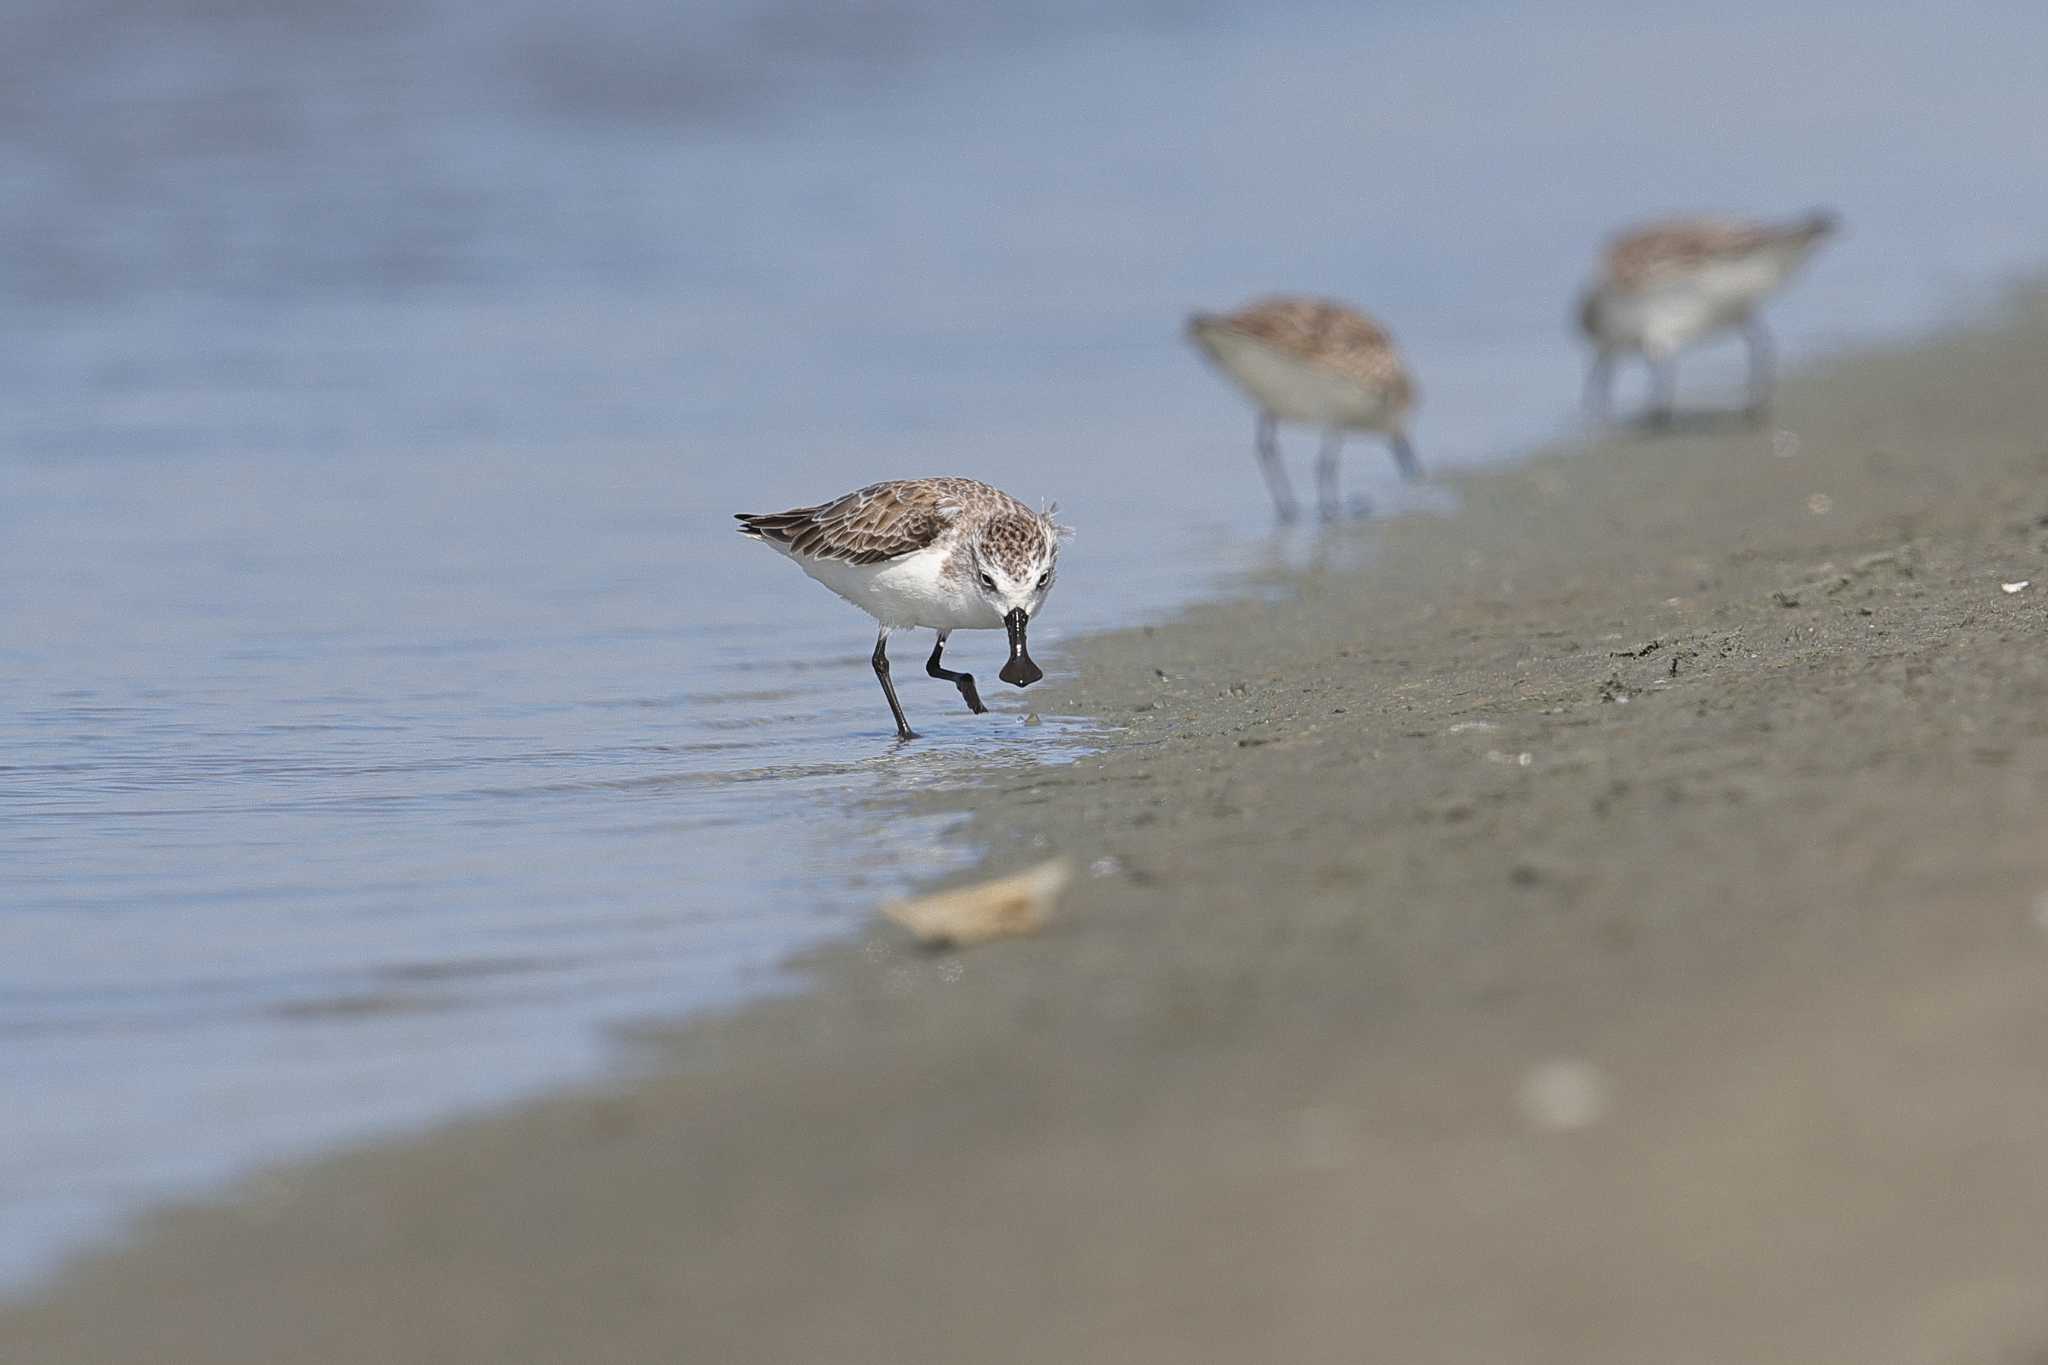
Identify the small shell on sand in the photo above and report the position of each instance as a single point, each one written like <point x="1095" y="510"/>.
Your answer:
<point x="1003" y="908"/>
<point x="1564" y="1095"/>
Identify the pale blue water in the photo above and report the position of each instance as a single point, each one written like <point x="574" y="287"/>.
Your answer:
<point x="389" y="709"/>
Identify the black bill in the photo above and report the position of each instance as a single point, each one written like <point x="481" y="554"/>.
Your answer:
<point x="1020" y="670"/>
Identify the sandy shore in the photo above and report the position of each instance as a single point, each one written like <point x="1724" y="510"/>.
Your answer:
<point x="1603" y="930"/>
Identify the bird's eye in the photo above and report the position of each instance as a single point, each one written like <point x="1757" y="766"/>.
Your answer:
<point x="1045" y="578"/>
<point x="988" y="583"/>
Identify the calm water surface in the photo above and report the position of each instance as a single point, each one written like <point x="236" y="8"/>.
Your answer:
<point x="386" y="708"/>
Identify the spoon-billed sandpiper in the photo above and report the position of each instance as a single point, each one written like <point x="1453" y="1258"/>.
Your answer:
<point x="1310" y="360"/>
<point x="948" y="554"/>
<point x="1665" y="285"/>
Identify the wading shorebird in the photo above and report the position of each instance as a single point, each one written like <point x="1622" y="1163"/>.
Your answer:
<point x="1665" y="285"/>
<point x="944" y="554"/>
<point x="1318" y="362"/>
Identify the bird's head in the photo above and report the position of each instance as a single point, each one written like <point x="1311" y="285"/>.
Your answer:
<point x="1014" y="559"/>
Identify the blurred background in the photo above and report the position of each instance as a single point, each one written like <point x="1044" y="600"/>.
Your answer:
<point x="389" y="708"/>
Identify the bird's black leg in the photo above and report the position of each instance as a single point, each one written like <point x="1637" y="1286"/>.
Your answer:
<point x="1266" y="442"/>
<point x="1600" y="385"/>
<point x="1663" y="389"/>
<point x="1404" y="456"/>
<point x="881" y="663"/>
<point x="1326" y="474"/>
<point x="1763" y="367"/>
<point x="963" y="681"/>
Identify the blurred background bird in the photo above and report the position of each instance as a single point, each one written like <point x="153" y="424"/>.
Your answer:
<point x="1663" y="286"/>
<point x="1316" y="362"/>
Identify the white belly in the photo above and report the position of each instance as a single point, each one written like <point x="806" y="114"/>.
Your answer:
<point x="1662" y="319"/>
<point x="906" y="592"/>
<point x="1676" y="312"/>
<point x="1294" y="390"/>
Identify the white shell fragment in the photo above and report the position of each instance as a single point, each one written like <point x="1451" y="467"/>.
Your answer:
<point x="2010" y="588"/>
<point x="1564" y="1095"/>
<point x="1004" y="908"/>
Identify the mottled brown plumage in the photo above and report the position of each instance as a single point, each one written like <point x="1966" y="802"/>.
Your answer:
<point x="941" y="553"/>
<point x="1317" y="362"/>
<point x="1643" y="255"/>
<point x="1662" y="286"/>
<point x="1326" y="334"/>
<point x="900" y="517"/>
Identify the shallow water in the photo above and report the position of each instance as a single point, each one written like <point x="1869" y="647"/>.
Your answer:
<point x="390" y="708"/>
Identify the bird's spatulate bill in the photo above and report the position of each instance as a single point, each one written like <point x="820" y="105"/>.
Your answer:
<point x="1019" y="671"/>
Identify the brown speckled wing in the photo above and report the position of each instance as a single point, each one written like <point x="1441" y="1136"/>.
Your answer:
<point x="1328" y="334"/>
<point x="1641" y="255"/>
<point x="869" y="525"/>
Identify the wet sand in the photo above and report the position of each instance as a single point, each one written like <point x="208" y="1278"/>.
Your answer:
<point x="1605" y="929"/>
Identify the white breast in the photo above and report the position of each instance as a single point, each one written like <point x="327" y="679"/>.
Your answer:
<point x="1294" y="390"/>
<point x="1682" y="308"/>
<point x="1659" y="319"/>
<point x="908" y="591"/>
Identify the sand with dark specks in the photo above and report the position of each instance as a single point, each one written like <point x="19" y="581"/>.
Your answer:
<point x="1607" y="929"/>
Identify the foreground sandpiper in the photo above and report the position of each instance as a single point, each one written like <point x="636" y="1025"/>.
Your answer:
<point x="1665" y="285"/>
<point x="944" y="554"/>
<point x="1314" y="361"/>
